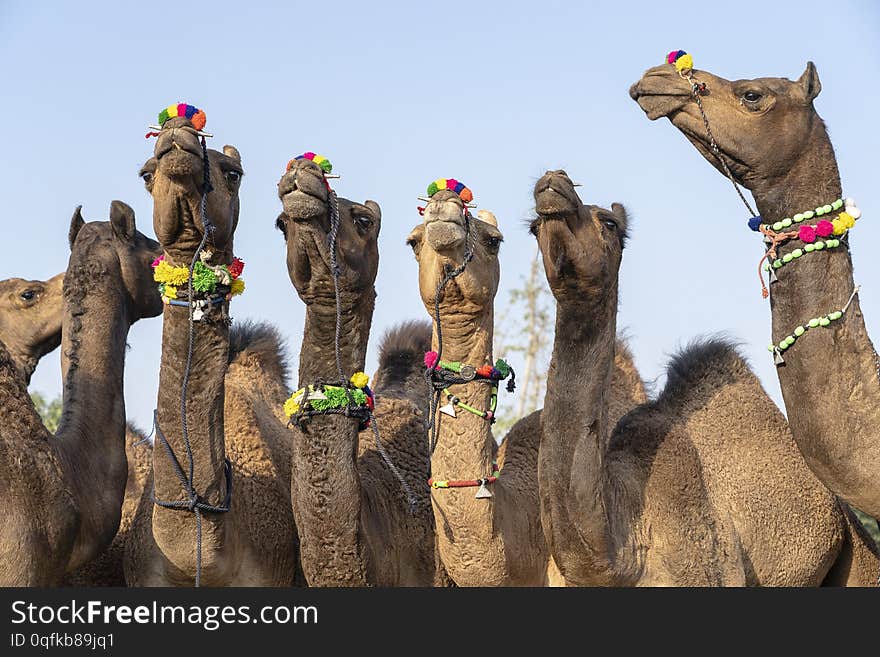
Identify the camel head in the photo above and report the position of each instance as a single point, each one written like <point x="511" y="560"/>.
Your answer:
<point x="174" y="176"/>
<point x="440" y="243"/>
<point x="30" y="319"/>
<point x="113" y="253"/>
<point x="581" y="245"/>
<point x="305" y="223"/>
<point x="761" y="126"/>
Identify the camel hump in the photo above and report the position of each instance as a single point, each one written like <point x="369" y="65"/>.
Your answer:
<point x="705" y="362"/>
<point x="263" y="342"/>
<point x="401" y="359"/>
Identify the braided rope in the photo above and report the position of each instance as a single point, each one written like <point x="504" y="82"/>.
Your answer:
<point x="195" y="504"/>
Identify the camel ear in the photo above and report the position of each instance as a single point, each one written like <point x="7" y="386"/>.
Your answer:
<point x="619" y="213"/>
<point x="76" y="222"/>
<point x="122" y="221"/>
<point x="232" y="151"/>
<point x="281" y="224"/>
<point x="376" y="211"/>
<point x="809" y="82"/>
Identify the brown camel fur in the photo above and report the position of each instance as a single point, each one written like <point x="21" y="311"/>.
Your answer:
<point x="496" y="541"/>
<point x="62" y="494"/>
<point x="30" y="320"/>
<point x="776" y="145"/>
<point x="355" y="525"/>
<point x="254" y="543"/>
<point x="704" y="485"/>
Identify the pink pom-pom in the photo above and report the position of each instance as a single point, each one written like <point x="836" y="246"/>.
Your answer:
<point x="431" y="359"/>
<point x="158" y="260"/>
<point x="807" y="234"/>
<point x="824" y="228"/>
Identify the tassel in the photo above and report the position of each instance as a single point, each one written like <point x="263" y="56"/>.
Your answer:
<point x="483" y="492"/>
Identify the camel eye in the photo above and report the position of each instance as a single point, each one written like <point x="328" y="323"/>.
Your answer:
<point x="233" y="177"/>
<point x="362" y="221"/>
<point x="751" y="96"/>
<point x="610" y="224"/>
<point x="28" y="295"/>
<point x="493" y="243"/>
<point x="147" y="177"/>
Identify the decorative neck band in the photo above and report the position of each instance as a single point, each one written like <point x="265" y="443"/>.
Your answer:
<point x="447" y="373"/>
<point x="482" y="493"/>
<point x="354" y="399"/>
<point x="208" y="281"/>
<point x="806" y="233"/>
<point x="823" y="321"/>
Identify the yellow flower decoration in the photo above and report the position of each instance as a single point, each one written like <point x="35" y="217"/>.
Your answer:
<point x="685" y="62"/>
<point x="291" y="406"/>
<point x="237" y="286"/>
<point x="359" y="379"/>
<point x="170" y="291"/>
<point x="839" y="227"/>
<point x="165" y="273"/>
<point x="847" y="219"/>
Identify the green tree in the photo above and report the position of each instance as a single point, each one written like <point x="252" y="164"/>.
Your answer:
<point x="523" y="335"/>
<point x="50" y="411"/>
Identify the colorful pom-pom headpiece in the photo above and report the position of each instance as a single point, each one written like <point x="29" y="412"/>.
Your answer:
<point x="320" y="160"/>
<point x="681" y="60"/>
<point x="452" y="185"/>
<point x="196" y="116"/>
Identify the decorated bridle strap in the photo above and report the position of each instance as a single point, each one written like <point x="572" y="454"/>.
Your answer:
<point x="488" y="415"/>
<point x="197" y="117"/>
<point x="466" y="483"/>
<point x="823" y="321"/>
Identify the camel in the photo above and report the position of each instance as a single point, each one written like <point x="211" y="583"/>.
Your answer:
<point x="485" y="541"/>
<point x="30" y="320"/>
<point x="254" y="543"/>
<point x="355" y="525"/>
<point x="703" y="485"/>
<point x="774" y="143"/>
<point x="63" y="493"/>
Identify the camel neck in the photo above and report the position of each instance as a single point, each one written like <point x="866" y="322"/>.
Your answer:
<point x="574" y="438"/>
<point x="830" y="377"/>
<point x="204" y="409"/>
<point x="465" y="444"/>
<point x="317" y="361"/>
<point x="90" y="439"/>
<point x="325" y="484"/>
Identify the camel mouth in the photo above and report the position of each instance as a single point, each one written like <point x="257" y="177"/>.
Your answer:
<point x="660" y="92"/>
<point x="551" y="202"/>
<point x="305" y="205"/>
<point x="444" y="235"/>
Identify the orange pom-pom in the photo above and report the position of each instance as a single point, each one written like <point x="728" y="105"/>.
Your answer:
<point x="199" y="120"/>
<point x="466" y="195"/>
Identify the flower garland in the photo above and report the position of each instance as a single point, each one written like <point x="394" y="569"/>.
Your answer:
<point x="321" y="398"/>
<point x="452" y="185"/>
<point x="206" y="279"/>
<point x="838" y="226"/>
<point x="196" y="116"/>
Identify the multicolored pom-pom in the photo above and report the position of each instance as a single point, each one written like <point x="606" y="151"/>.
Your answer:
<point x="452" y="185"/>
<point x="196" y="116"/>
<point x="681" y="60"/>
<point x="320" y="160"/>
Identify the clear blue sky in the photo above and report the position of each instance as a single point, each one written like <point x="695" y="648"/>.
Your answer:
<point x="396" y="94"/>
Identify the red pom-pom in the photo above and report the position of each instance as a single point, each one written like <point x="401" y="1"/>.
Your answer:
<point x="236" y="268"/>
<point x="431" y="359"/>
<point x="485" y="371"/>
<point x="807" y="234"/>
<point x="824" y="228"/>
